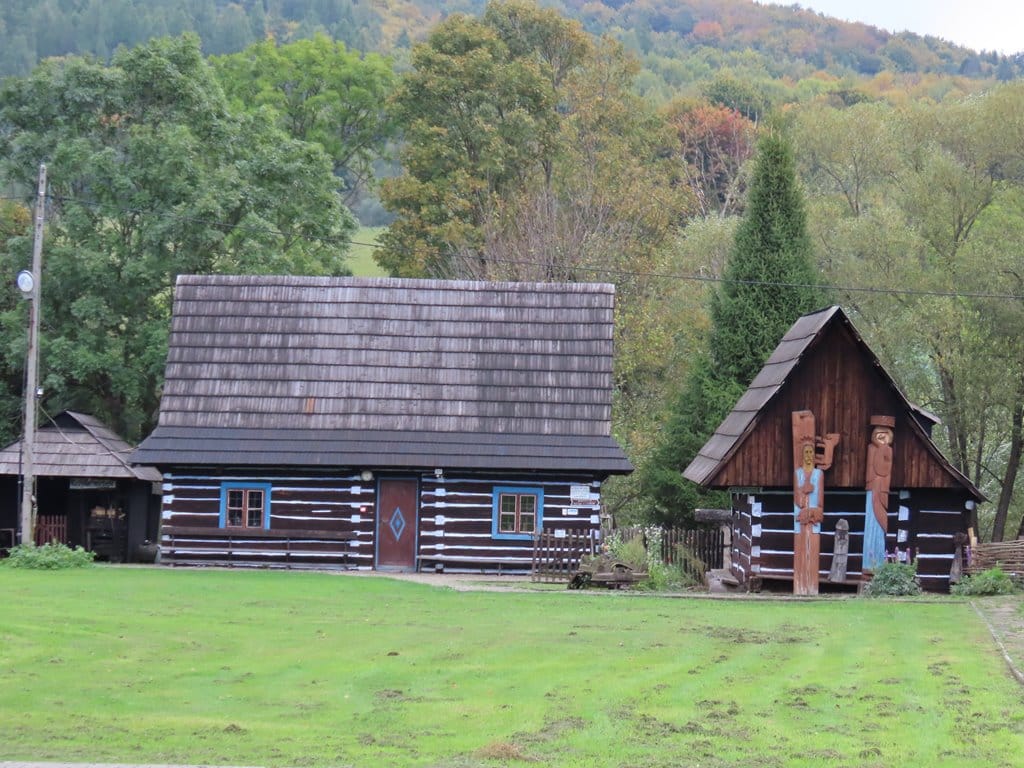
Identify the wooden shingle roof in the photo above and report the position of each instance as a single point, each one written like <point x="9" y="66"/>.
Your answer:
<point x="765" y="385"/>
<point x="77" y="445"/>
<point x="387" y="372"/>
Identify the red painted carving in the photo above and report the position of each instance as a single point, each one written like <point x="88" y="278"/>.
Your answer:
<point x="812" y="455"/>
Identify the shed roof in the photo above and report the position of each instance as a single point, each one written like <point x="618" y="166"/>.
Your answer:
<point x="77" y="445"/>
<point x="804" y="334"/>
<point x="388" y="372"/>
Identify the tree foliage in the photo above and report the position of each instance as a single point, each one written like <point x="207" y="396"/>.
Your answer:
<point x="480" y="119"/>
<point x="151" y="174"/>
<point x="319" y="92"/>
<point x="768" y="282"/>
<point x="927" y="200"/>
<point x="32" y="30"/>
<point x="715" y="143"/>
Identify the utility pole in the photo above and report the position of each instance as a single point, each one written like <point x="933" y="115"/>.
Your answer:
<point x="31" y="288"/>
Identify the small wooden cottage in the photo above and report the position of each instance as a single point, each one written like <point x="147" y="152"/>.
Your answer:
<point x="87" y="492"/>
<point x="382" y="423"/>
<point x="824" y="435"/>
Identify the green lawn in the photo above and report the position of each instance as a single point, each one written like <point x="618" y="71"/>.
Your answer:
<point x="291" y="669"/>
<point x="360" y="256"/>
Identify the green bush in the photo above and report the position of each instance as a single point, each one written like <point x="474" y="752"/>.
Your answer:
<point x="994" y="581"/>
<point x="631" y="552"/>
<point x="660" y="576"/>
<point x="48" y="557"/>
<point x="894" y="579"/>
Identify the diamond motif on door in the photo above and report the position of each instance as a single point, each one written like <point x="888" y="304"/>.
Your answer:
<point x="397" y="524"/>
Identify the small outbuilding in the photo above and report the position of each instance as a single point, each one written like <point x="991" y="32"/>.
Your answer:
<point x="87" y="492"/>
<point x="832" y="471"/>
<point x="382" y="423"/>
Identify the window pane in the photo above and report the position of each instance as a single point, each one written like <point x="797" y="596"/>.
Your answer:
<point x="507" y="519"/>
<point x="255" y="509"/>
<point x="527" y="505"/>
<point x="235" y="501"/>
<point x="526" y="523"/>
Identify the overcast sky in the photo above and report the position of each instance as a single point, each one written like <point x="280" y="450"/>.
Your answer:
<point x="991" y="25"/>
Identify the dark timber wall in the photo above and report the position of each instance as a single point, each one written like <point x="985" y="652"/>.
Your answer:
<point x="329" y="521"/>
<point x="921" y="527"/>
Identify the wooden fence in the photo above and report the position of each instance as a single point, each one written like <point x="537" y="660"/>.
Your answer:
<point x="695" y="551"/>
<point x="51" y="528"/>
<point x="1008" y="555"/>
<point x="556" y="555"/>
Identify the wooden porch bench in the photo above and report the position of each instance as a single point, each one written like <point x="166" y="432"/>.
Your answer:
<point x="232" y="547"/>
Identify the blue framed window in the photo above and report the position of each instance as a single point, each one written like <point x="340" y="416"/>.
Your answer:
<point x="245" y="505"/>
<point x="517" y="512"/>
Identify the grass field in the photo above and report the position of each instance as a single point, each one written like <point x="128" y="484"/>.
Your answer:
<point x="360" y="257"/>
<point x="293" y="669"/>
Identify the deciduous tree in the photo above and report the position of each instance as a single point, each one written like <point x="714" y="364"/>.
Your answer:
<point x="320" y="92"/>
<point x="151" y="175"/>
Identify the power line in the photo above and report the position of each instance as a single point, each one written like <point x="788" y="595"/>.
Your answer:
<point x="599" y="270"/>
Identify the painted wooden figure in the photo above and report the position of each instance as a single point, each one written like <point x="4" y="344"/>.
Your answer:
<point x="811" y="456"/>
<point x="877" y="478"/>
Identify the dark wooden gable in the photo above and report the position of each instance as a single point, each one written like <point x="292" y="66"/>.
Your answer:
<point x="305" y="370"/>
<point x="824" y="366"/>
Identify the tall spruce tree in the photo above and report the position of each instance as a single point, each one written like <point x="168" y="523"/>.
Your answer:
<point x="769" y="281"/>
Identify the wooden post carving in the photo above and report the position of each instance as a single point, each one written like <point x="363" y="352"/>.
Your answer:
<point x="840" y="552"/>
<point x="812" y="455"/>
<point x="956" y="570"/>
<point x="876" y="481"/>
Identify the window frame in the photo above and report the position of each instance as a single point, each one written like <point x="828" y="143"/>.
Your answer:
<point x="226" y="487"/>
<point x="517" y="491"/>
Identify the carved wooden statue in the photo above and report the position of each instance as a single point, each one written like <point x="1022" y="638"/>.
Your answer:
<point x="840" y="552"/>
<point x="812" y="455"/>
<point x="876" y="481"/>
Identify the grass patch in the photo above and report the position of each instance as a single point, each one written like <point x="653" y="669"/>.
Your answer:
<point x="360" y="255"/>
<point x="293" y="669"/>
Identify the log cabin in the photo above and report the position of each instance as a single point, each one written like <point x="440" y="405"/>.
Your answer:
<point x="87" y="492"/>
<point x="823" y="389"/>
<point x="382" y="423"/>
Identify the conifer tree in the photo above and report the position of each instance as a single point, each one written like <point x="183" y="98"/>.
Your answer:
<point x="769" y="282"/>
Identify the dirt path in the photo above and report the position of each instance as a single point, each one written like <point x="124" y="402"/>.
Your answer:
<point x="1005" y="619"/>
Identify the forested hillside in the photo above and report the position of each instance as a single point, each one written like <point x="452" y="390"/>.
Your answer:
<point x="521" y="143"/>
<point x="679" y="41"/>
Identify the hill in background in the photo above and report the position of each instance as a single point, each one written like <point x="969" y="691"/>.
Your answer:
<point x="679" y="42"/>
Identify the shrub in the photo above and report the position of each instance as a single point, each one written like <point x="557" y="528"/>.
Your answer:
<point x="894" y="579"/>
<point x="631" y="552"/>
<point x="660" y="576"/>
<point x="50" y="556"/>
<point x="994" y="581"/>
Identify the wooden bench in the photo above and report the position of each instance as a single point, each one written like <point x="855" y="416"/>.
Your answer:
<point x="233" y="547"/>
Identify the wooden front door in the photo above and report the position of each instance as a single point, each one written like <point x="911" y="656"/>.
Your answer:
<point x="397" y="513"/>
